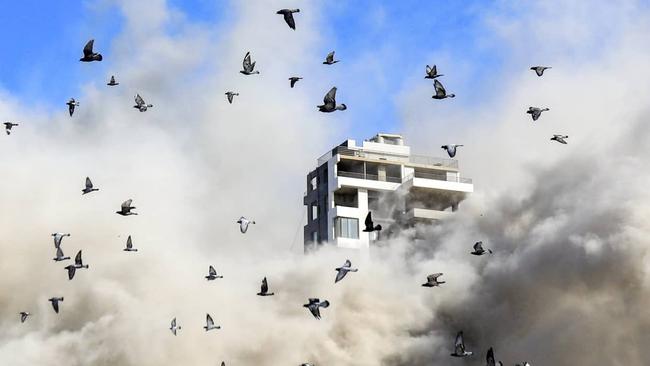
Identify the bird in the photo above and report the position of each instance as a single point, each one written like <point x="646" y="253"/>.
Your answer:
<point x="523" y="364"/>
<point x="248" y="66"/>
<point x="174" y="327"/>
<point x="72" y="103"/>
<point x="293" y="80"/>
<point x="71" y="271"/>
<point x="59" y="255"/>
<point x="264" y="290"/>
<point x="78" y="262"/>
<point x="306" y="364"/>
<point x="23" y="316"/>
<point x="230" y="95"/>
<point x="140" y="104"/>
<point x="329" y="103"/>
<point x="314" y="306"/>
<point x="129" y="245"/>
<point x="432" y="280"/>
<point x="55" y="303"/>
<point x="89" y="187"/>
<point x="370" y="226"/>
<point x="89" y="55"/>
<point x="243" y="224"/>
<point x="489" y="357"/>
<point x="441" y="93"/>
<point x="432" y="72"/>
<point x="451" y="149"/>
<point x="288" y="16"/>
<point x="535" y="112"/>
<point x="212" y="274"/>
<point x="9" y="125"/>
<point x="126" y="208"/>
<point x="209" y="323"/>
<point x="459" y="346"/>
<point x="560" y="138"/>
<point x="478" y="249"/>
<point x="112" y="82"/>
<point x="58" y="237"/>
<point x="539" y="70"/>
<point x="343" y="270"/>
<point x="329" y="59"/>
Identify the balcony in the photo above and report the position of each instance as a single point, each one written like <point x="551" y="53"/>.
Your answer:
<point x="426" y="214"/>
<point x="386" y="157"/>
<point x="367" y="176"/>
<point x="444" y="177"/>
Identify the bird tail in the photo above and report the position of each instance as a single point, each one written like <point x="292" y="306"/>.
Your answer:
<point x="490" y="250"/>
<point x="99" y="57"/>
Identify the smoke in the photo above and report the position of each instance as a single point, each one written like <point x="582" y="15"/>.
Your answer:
<point x="567" y="283"/>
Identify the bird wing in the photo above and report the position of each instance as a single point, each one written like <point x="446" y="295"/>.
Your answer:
<point x="330" y="97"/>
<point x="129" y="243"/>
<point x="71" y="271"/>
<point x="174" y="323"/>
<point x="243" y="226"/>
<point x="313" y="300"/>
<point x="265" y="286"/>
<point x="368" y="221"/>
<point x="126" y="204"/>
<point x="59" y="252"/>
<point x="459" y="345"/>
<point x="55" y="305"/>
<point x="212" y="271"/>
<point x="23" y="317"/>
<point x="340" y="274"/>
<point x="478" y="246"/>
<point x="489" y="357"/>
<point x="208" y="321"/>
<point x="315" y="310"/>
<point x="440" y="90"/>
<point x="330" y="57"/>
<point x="77" y="258"/>
<point x="247" y="62"/>
<point x="433" y="277"/>
<point x="112" y="80"/>
<point x="288" y="17"/>
<point x="88" y="48"/>
<point x="138" y="100"/>
<point x="89" y="184"/>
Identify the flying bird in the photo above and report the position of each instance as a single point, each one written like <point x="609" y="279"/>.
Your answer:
<point x="441" y="93"/>
<point x="212" y="274"/>
<point x="432" y="72"/>
<point x="78" y="262"/>
<point x="314" y="306"/>
<point x="293" y="80"/>
<point x="89" y="55"/>
<point x="560" y="138"/>
<point x="129" y="245"/>
<point x="126" y="208"/>
<point x="71" y="271"/>
<point x="370" y="226"/>
<point x="9" y="125"/>
<point x="451" y="149"/>
<point x="539" y="70"/>
<point x="59" y="255"/>
<point x="329" y="59"/>
<point x="343" y="270"/>
<point x="89" y="187"/>
<point x="72" y="104"/>
<point x="58" y="237"/>
<point x="248" y="66"/>
<point x="489" y="357"/>
<point x="55" y="303"/>
<point x="230" y="95"/>
<point x="140" y="104"/>
<point x="209" y="323"/>
<point x="112" y="82"/>
<point x="243" y="224"/>
<point x="459" y="346"/>
<point x="535" y="112"/>
<point x="23" y="316"/>
<point x="432" y="280"/>
<point x="264" y="290"/>
<point x="478" y="249"/>
<point x="329" y="103"/>
<point x="174" y="327"/>
<point x="288" y="16"/>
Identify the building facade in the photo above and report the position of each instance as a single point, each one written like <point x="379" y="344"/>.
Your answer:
<point x="381" y="176"/>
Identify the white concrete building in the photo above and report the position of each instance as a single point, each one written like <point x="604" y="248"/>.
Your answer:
<point x="381" y="176"/>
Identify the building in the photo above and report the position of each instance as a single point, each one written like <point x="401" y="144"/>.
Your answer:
<point x="381" y="176"/>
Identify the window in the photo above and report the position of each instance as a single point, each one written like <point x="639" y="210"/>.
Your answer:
<point x="314" y="212"/>
<point x="314" y="236"/>
<point x="347" y="227"/>
<point x="313" y="183"/>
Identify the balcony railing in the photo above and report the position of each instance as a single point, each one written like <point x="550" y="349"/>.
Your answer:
<point x="429" y="160"/>
<point x="367" y="176"/>
<point x="443" y="177"/>
<point x="414" y="159"/>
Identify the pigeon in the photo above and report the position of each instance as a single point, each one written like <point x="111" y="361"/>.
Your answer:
<point x="329" y="103"/>
<point x="112" y="82"/>
<point x="459" y="346"/>
<point x="212" y="274"/>
<point x="71" y="271"/>
<point x="248" y="66"/>
<point x="89" y="187"/>
<point x="370" y="227"/>
<point x="432" y="72"/>
<point x="140" y="104"/>
<point x="432" y="280"/>
<point x="489" y="357"/>
<point x="71" y="105"/>
<point x="441" y="93"/>
<point x="126" y="208"/>
<point x="9" y="125"/>
<point x="55" y="303"/>
<point x="59" y="255"/>
<point x="560" y="138"/>
<point x="314" y="306"/>
<point x="535" y="112"/>
<point x="451" y="149"/>
<point x="129" y="245"/>
<point x="293" y="80"/>
<point x="343" y="270"/>
<point x="89" y="55"/>
<point x="539" y="70"/>
<point x="329" y="60"/>
<point x="58" y="237"/>
<point x="209" y="323"/>
<point x="288" y="16"/>
<point x="306" y="364"/>
<point x="173" y="327"/>
<point x="78" y="263"/>
<point x="23" y="316"/>
<point x="264" y="290"/>
<point x="243" y="224"/>
<point x="230" y="95"/>
<point x="478" y="249"/>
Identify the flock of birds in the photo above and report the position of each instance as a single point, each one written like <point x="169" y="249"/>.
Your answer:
<point x="329" y="105"/>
